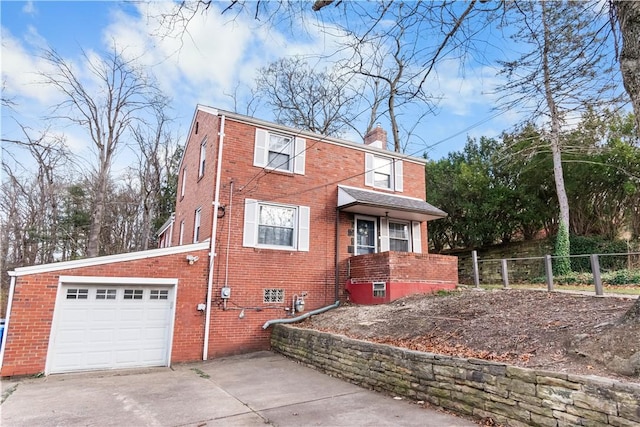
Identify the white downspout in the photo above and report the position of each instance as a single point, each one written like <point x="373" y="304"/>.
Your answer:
<point x="212" y="249"/>
<point x="12" y="288"/>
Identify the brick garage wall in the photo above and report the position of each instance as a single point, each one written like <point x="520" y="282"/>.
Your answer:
<point x="509" y="395"/>
<point x="34" y="301"/>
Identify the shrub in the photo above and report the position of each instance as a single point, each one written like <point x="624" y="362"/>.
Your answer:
<point x="622" y="277"/>
<point x="586" y="245"/>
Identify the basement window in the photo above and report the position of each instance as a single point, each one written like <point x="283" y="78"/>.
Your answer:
<point x="379" y="289"/>
<point x="273" y="295"/>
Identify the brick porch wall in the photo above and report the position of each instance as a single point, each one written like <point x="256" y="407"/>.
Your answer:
<point x="404" y="273"/>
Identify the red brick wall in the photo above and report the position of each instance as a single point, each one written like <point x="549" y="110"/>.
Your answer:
<point x="251" y="270"/>
<point x="404" y="273"/>
<point x="34" y="300"/>
<point x="405" y="267"/>
<point x="199" y="191"/>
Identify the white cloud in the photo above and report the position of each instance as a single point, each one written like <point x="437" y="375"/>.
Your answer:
<point x="211" y="57"/>
<point x="20" y="70"/>
<point x="29" y="8"/>
<point x="461" y="94"/>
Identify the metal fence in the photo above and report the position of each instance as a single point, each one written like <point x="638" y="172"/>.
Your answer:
<point x="619" y="268"/>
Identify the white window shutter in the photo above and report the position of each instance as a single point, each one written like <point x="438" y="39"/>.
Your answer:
<point x="304" y="220"/>
<point x="261" y="148"/>
<point x="384" y="235"/>
<point x="250" y="236"/>
<point x="368" y="169"/>
<point x="417" y="239"/>
<point x="299" y="153"/>
<point x="397" y="170"/>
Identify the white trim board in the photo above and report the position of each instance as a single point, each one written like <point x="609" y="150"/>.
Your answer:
<point x="88" y="262"/>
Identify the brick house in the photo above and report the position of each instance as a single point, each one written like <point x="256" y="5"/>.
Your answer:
<point x="270" y="223"/>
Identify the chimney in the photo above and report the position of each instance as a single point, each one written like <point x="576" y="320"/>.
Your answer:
<point x="376" y="137"/>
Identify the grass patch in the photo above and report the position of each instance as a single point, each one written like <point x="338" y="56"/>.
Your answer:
<point x="8" y="392"/>
<point x="201" y="373"/>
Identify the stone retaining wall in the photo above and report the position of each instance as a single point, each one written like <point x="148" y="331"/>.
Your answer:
<point x="507" y="394"/>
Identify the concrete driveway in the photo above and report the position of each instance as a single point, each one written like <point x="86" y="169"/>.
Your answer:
<point x="251" y="390"/>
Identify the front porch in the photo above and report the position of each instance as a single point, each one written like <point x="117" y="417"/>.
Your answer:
<point x="382" y="277"/>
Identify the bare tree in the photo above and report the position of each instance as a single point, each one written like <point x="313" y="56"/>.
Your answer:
<point x="566" y="70"/>
<point x="628" y="14"/>
<point x="397" y="46"/>
<point x="33" y="196"/>
<point x="106" y="111"/>
<point x="123" y="215"/>
<point x="318" y="101"/>
<point x="155" y="148"/>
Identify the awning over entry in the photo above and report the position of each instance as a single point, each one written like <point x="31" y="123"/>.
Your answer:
<point x="374" y="203"/>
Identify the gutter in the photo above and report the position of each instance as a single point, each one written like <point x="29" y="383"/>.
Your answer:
<point x="299" y="318"/>
<point x="212" y="250"/>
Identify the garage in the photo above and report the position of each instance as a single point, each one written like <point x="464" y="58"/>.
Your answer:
<point x="111" y="323"/>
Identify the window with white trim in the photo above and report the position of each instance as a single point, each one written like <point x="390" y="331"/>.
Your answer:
<point x="279" y="151"/>
<point x="184" y="182"/>
<point x="399" y="236"/>
<point x="181" y="239"/>
<point x="382" y="168"/>
<point x="379" y="289"/>
<point x="196" y="225"/>
<point x="383" y="172"/>
<point x="276" y="226"/>
<point x="203" y="157"/>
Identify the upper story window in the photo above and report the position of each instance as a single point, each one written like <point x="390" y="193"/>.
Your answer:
<point x="276" y="226"/>
<point x="196" y="225"/>
<point x="279" y="152"/>
<point x="181" y="238"/>
<point x="383" y="172"/>
<point x="184" y="182"/>
<point x="203" y="157"/>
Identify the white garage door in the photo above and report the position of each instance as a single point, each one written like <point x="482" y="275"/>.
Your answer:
<point x="110" y="327"/>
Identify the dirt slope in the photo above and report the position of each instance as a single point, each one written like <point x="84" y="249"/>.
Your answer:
<point x="557" y="331"/>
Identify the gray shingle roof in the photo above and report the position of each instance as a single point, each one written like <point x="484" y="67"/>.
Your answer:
<point x="354" y="200"/>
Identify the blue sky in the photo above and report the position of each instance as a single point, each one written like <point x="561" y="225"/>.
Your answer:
<point x="217" y="57"/>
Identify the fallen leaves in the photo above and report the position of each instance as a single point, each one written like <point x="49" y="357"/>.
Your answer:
<point x="526" y="328"/>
